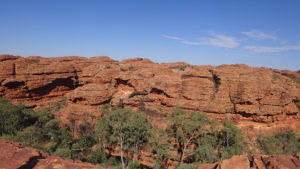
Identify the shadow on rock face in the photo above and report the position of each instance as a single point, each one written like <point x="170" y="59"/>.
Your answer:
<point x="31" y="162"/>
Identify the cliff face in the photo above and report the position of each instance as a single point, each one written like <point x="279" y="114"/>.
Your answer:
<point x="244" y="94"/>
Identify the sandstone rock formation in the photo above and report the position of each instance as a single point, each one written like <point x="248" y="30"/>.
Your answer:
<point x="254" y="98"/>
<point x="247" y="95"/>
<point x="256" y="162"/>
<point x="15" y="155"/>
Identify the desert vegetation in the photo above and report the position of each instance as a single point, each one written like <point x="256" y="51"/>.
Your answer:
<point x="189" y="138"/>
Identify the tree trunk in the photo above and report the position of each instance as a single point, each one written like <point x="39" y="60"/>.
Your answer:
<point x="227" y="140"/>
<point x="182" y="154"/>
<point x="121" y="151"/>
<point x="135" y="155"/>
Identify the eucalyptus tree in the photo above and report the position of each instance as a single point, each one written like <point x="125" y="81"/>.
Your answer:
<point x="186" y="129"/>
<point x="123" y="128"/>
<point x="232" y="140"/>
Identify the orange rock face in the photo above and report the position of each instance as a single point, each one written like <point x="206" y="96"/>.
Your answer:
<point x="246" y="95"/>
<point x="15" y="155"/>
<point x="257" y="162"/>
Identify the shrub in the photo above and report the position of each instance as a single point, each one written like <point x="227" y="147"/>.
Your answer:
<point x="105" y="108"/>
<point x="97" y="156"/>
<point x="130" y="67"/>
<point x="64" y="153"/>
<point x="275" y="76"/>
<point x="33" y="61"/>
<point x="281" y="143"/>
<point x="187" y="166"/>
<point x="13" y="117"/>
<point x="86" y="141"/>
<point x="298" y="104"/>
<point x="297" y="81"/>
<point x="30" y="135"/>
<point x="139" y="74"/>
<point x="134" y="164"/>
<point x="60" y="104"/>
<point x="180" y="68"/>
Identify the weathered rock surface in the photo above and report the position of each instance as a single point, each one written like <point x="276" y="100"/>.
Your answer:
<point x="15" y="155"/>
<point x="256" y="162"/>
<point x="246" y="95"/>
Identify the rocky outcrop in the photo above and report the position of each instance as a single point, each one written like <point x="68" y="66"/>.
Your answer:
<point x="15" y="155"/>
<point x="256" y="162"/>
<point x="246" y="95"/>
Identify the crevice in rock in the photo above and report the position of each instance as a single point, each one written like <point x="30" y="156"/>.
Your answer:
<point x="44" y="90"/>
<point x="14" y="85"/>
<point x="217" y="82"/>
<point x="76" y="77"/>
<point x="14" y="69"/>
<point x="251" y="161"/>
<point x="159" y="92"/>
<point x="185" y="76"/>
<point x="187" y="98"/>
<point x="121" y="81"/>
<point x="78" y="99"/>
<point x="245" y="103"/>
<point x="244" y="114"/>
<point x="101" y="103"/>
<point x="46" y="73"/>
<point x="135" y="93"/>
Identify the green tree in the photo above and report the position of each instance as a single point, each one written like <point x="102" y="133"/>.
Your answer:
<point x="97" y="156"/>
<point x="160" y="143"/>
<point x="31" y="135"/>
<point x="232" y="140"/>
<point x="206" y="150"/>
<point x="13" y="117"/>
<point x="187" y="129"/>
<point x="138" y="132"/>
<point x="124" y="128"/>
<point x="86" y="135"/>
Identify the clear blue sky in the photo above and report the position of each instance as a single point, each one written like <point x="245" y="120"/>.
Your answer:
<point x="256" y="32"/>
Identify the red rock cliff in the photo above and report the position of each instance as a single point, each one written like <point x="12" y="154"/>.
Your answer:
<point x="241" y="93"/>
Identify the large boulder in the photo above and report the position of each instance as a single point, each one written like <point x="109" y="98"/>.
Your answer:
<point x="15" y="155"/>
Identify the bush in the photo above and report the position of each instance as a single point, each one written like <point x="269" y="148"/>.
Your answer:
<point x="30" y="135"/>
<point x="64" y="153"/>
<point x="281" y="143"/>
<point x="187" y="166"/>
<point x="97" y="156"/>
<point x="13" y="118"/>
<point x="134" y="164"/>
<point x="298" y="104"/>
<point x="60" y="104"/>
<point x="275" y="76"/>
<point x="86" y="141"/>
<point x="180" y="68"/>
<point x="297" y="80"/>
